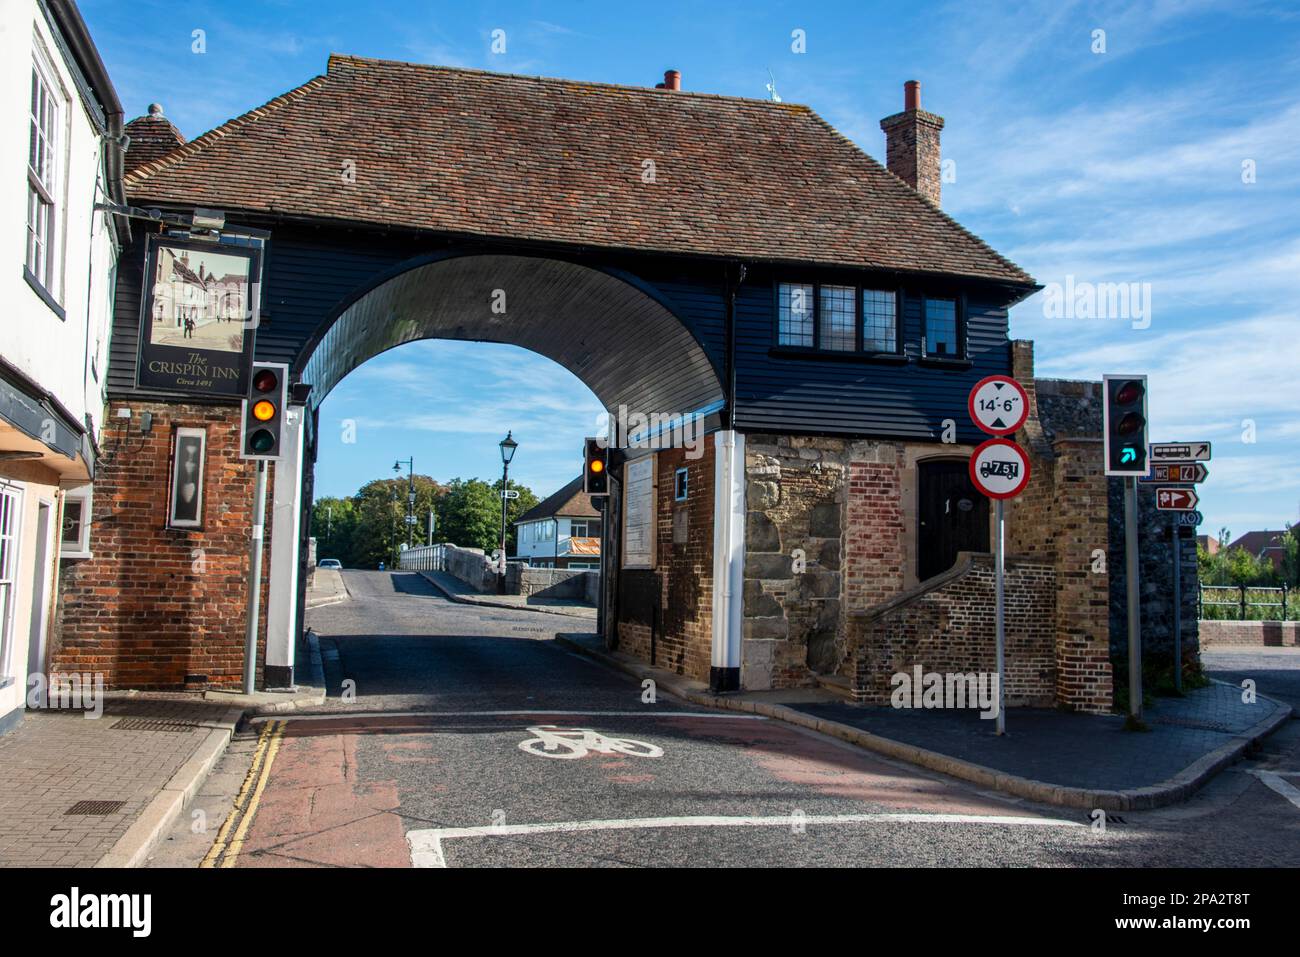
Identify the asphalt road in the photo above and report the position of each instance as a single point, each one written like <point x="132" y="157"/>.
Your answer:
<point x="462" y="737"/>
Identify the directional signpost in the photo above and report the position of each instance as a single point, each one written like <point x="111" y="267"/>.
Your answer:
<point x="1000" y="469"/>
<point x="1178" y="462"/>
<point x="1170" y="498"/>
<point x="1180" y="452"/>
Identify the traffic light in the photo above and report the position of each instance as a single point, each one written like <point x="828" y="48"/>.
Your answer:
<point x="263" y="411"/>
<point x="595" y="468"/>
<point x="1124" y="424"/>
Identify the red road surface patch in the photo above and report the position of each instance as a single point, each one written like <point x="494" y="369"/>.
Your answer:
<point x="315" y="812"/>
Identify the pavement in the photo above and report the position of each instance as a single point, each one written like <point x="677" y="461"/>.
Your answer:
<point x="455" y="589"/>
<point x="1074" y="760"/>
<point x="326" y="588"/>
<point x="144" y="755"/>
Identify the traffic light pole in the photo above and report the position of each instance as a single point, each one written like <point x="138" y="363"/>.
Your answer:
<point x="255" y="581"/>
<point x="1134" y="612"/>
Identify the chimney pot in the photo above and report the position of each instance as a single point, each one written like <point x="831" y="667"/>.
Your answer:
<point x="912" y="95"/>
<point x="155" y="109"/>
<point x="672" y="80"/>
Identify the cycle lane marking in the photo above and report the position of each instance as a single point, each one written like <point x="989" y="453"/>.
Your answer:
<point x="427" y="843"/>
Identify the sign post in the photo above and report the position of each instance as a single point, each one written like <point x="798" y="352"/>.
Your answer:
<point x="1179" y="462"/>
<point x="1000" y="470"/>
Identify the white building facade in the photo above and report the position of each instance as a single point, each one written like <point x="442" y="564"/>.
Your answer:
<point x="562" y="531"/>
<point x="63" y="155"/>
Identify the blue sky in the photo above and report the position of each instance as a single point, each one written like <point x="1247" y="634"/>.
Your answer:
<point x="1126" y="166"/>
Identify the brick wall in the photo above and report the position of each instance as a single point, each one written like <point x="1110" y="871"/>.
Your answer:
<point x="683" y="573"/>
<point x="1249" y="634"/>
<point x="946" y="626"/>
<point x="160" y="608"/>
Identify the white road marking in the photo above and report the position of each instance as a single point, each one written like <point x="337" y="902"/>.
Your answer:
<point x="1285" y="788"/>
<point x="426" y="844"/>
<point x="551" y="741"/>
<point x="344" y="715"/>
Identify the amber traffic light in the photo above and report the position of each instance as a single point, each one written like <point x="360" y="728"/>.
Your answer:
<point x="1124" y="424"/>
<point x="263" y="411"/>
<point x="595" y="473"/>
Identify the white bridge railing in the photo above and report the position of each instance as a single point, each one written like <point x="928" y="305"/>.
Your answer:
<point x="424" y="558"/>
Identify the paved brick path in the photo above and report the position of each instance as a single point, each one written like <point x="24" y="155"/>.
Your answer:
<point x="56" y="758"/>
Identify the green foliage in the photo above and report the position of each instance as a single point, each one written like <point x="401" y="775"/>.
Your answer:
<point x="370" y="527"/>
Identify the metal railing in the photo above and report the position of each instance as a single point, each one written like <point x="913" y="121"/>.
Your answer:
<point x="1243" y="599"/>
<point x="423" y="558"/>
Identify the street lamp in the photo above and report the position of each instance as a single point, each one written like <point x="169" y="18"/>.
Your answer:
<point x="410" y="493"/>
<point x="508" y="446"/>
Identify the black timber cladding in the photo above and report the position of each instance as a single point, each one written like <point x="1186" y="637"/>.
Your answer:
<point x="312" y="274"/>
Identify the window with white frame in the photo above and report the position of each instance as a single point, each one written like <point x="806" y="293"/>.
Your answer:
<point x="584" y="528"/>
<point x="75" y="537"/>
<point x="11" y="510"/>
<point x="42" y="174"/>
<point x="681" y="485"/>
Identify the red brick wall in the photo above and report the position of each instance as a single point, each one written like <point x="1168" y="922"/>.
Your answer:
<point x="1249" y="634"/>
<point x="157" y="606"/>
<point x="685" y="634"/>
<point x="951" y="629"/>
<point x="874" y="535"/>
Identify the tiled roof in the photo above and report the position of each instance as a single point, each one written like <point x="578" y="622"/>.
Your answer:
<point x="152" y="138"/>
<point x="1256" y="543"/>
<point x="529" y="158"/>
<point x="569" y="500"/>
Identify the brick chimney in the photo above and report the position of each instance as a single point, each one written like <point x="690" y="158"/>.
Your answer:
<point x="912" y="144"/>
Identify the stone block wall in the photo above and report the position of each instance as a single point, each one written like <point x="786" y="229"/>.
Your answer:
<point x="156" y="607"/>
<point x="946" y="626"/>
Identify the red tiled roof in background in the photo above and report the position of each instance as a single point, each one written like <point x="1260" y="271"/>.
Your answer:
<point x="530" y="158"/>
<point x="152" y="138"/>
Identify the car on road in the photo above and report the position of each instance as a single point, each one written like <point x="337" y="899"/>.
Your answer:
<point x="330" y="563"/>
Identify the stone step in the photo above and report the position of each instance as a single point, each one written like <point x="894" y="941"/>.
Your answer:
<point x="836" y="684"/>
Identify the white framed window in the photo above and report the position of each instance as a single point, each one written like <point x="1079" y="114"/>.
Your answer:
<point x="44" y="122"/>
<point x="681" y="484"/>
<point x="74" y="538"/>
<point x="584" y="528"/>
<point x="11" y="516"/>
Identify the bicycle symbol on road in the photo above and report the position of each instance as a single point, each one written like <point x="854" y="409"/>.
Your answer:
<point x="551" y="741"/>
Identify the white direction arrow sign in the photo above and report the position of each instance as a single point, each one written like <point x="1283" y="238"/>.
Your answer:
<point x="998" y="405"/>
<point x="1176" y="499"/>
<point x="1180" y="452"/>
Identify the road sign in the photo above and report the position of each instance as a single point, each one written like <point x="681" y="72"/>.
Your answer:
<point x="999" y="468"/>
<point x="510" y="493"/>
<point x="1189" y="519"/>
<point x="1180" y="452"/>
<point x="998" y="405"/>
<point x="1190" y="473"/>
<point x="1173" y="499"/>
<point x="412" y="520"/>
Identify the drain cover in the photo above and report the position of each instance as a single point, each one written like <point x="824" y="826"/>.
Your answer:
<point x="151" y="724"/>
<point x="95" y="807"/>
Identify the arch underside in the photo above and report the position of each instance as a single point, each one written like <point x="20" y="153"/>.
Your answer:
<point x="621" y="342"/>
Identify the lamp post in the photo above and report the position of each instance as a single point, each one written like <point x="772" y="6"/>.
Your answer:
<point x="410" y="493"/>
<point x="508" y="446"/>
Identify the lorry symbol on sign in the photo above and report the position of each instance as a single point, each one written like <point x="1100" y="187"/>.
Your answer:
<point x="1000" y="467"/>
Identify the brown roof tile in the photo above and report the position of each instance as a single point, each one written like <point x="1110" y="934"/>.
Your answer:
<point x="530" y="158"/>
<point x="152" y="137"/>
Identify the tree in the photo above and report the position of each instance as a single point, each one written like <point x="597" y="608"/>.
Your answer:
<point x="470" y="514"/>
<point x="334" y="524"/>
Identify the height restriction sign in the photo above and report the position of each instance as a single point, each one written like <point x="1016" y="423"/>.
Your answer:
<point x="998" y="404"/>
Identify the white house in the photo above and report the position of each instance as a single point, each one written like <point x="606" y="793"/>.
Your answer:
<point x="562" y="531"/>
<point x="63" y="154"/>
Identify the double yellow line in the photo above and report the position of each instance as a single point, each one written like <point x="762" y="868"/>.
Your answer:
<point x="246" y="802"/>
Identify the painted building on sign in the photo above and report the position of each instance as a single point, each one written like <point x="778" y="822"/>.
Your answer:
<point x="60" y="253"/>
<point x="815" y="317"/>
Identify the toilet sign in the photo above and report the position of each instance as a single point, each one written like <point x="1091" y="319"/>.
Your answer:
<point x="998" y="404"/>
<point x="999" y="468"/>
